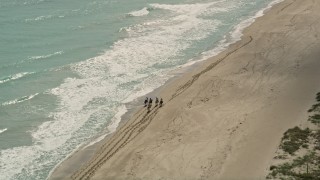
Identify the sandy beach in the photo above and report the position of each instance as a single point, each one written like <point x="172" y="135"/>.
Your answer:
<point x="224" y="119"/>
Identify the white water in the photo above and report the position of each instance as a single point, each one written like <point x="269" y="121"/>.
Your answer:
<point x="45" y="56"/>
<point x="20" y="100"/>
<point x="15" y="77"/>
<point x="142" y="12"/>
<point x="3" y="130"/>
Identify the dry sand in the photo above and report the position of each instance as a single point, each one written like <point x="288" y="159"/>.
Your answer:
<point x="225" y="119"/>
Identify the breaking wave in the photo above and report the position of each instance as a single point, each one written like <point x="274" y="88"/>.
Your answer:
<point x="141" y="12"/>
<point x="3" y="130"/>
<point x="19" y="100"/>
<point x="15" y="77"/>
<point x="45" y="56"/>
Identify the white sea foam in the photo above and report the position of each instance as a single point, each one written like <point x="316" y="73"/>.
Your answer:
<point x="19" y="157"/>
<point x="191" y="9"/>
<point x="112" y="126"/>
<point x="45" y="56"/>
<point x="235" y="35"/>
<point x="3" y="130"/>
<point x="142" y="12"/>
<point x="19" y="100"/>
<point x="15" y="77"/>
<point x="39" y="18"/>
<point x="121" y="74"/>
<point x="42" y="18"/>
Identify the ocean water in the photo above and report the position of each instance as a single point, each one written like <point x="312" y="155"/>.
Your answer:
<point x="67" y="68"/>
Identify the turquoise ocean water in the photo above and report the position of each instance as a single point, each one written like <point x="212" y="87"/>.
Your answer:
<point x="67" y="67"/>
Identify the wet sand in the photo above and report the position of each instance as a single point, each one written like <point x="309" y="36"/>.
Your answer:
<point x="225" y="118"/>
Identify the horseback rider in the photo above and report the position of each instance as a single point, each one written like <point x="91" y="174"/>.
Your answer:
<point x="145" y="102"/>
<point x="161" y="102"/>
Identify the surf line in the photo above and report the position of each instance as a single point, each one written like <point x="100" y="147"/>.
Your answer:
<point x="3" y="130"/>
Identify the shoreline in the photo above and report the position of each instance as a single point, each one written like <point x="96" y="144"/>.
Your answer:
<point x="236" y="35"/>
<point x="132" y="107"/>
<point x="165" y="89"/>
